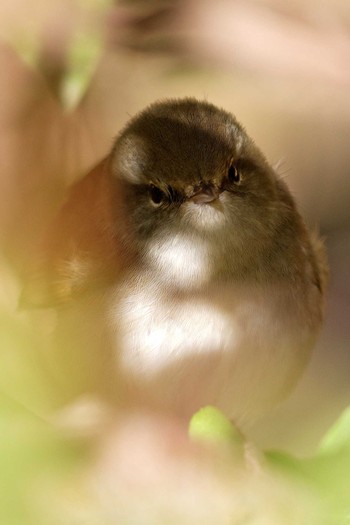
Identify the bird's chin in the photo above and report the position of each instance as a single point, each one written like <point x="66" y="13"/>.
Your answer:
<point x="204" y="217"/>
<point x="180" y="260"/>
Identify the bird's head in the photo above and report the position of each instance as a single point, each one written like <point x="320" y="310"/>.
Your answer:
<point x="199" y="196"/>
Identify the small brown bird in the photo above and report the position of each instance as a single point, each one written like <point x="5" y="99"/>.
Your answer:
<point x="189" y="249"/>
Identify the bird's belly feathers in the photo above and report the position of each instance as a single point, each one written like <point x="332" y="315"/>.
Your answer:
<point x="227" y="348"/>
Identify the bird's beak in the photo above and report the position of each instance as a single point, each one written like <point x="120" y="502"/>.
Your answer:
<point x="205" y="195"/>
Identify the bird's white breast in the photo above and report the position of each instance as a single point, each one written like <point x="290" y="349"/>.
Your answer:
<point x="228" y="346"/>
<point x="179" y="261"/>
<point x="160" y="330"/>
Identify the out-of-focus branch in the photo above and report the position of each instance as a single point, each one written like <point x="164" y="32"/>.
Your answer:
<point x="263" y="36"/>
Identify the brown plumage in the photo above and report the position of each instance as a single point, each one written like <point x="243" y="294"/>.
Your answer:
<point x="210" y="287"/>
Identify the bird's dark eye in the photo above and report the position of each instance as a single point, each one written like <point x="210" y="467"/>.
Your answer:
<point x="157" y="195"/>
<point x="233" y="174"/>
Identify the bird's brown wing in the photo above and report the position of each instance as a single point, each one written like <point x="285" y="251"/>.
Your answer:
<point x="82" y="248"/>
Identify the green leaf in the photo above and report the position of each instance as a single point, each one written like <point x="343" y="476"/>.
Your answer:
<point x="83" y="55"/>
<point x="338" y="437"/>
<point x="27" y="46"/>
<point x="210" y="425"/>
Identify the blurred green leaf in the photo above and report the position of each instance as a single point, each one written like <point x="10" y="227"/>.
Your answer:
<point x="64" y="48"/>
<point x="327" y="472"/>
<point x="210" y="425"/>
<point x="338" y="436"/>
<point x="27" y="46"/>
<point x="31" y="454"/>
<point x="83" y="55"/>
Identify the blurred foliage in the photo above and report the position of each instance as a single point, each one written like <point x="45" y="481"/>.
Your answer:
<point x="83" y="55"/>
<point x="36" y="458"/>
<point x="42" y="469"/>
<point x="27" y="46"/>
<point x="64" y="44"/>
<point x="32" y="455"/>
<point x="209" y="424"/>
<point x="326" y="474"/>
